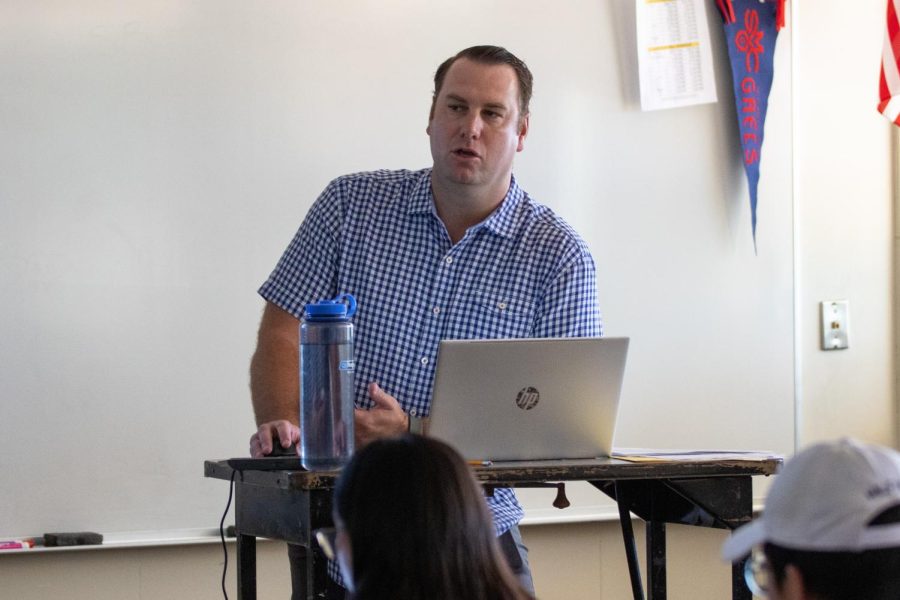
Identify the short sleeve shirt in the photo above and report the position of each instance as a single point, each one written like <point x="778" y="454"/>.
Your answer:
<point x="522" y="272"/>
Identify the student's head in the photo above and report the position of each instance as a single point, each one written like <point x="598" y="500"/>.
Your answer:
<point x="413" y="524"/>
<point x="831" y="526"/>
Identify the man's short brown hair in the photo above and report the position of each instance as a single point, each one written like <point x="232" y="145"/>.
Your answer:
<point x="489" y="55"/>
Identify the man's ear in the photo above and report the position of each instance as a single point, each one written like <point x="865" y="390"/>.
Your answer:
<point x="793" y="587"/>
<point x="431" y="115"/>
<point x="523" y="132"/>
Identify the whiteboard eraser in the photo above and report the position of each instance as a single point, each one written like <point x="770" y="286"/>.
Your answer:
<point x="79" y="538"/>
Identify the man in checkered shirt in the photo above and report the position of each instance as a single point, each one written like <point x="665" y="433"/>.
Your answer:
<point x="455" y="251"/>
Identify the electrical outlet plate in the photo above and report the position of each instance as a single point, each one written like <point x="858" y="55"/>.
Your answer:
<point x="835" y="324"/>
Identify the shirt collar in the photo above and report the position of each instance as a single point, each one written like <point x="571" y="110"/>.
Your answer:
<point x="421" y="200"/>
<point x="502" y="221"/>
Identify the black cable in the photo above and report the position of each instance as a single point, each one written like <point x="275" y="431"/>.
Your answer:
<point x="222" y="534"/>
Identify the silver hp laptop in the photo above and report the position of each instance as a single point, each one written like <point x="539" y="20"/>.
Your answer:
<point x="528" y="399"/>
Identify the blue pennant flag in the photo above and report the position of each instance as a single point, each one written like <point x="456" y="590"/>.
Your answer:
<point x="751" y="29"/>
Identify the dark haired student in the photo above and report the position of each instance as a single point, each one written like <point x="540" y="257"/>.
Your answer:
<point x="411" y="524"/>
<point x="457" y="250"/>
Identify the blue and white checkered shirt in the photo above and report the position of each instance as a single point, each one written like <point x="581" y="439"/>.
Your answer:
<point x="522" y="272"/>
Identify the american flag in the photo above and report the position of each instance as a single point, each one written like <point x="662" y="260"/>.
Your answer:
<point x="889" y="87"/>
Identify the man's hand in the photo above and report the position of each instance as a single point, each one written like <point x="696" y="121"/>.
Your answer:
<point x="384" y="419"/>
<point x="262" y="441"/>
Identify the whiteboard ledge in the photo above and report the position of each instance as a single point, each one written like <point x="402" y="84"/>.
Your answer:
<point x="184" y="537"/>
<point x="138" y="539"/>
<point x="555" y="516"/>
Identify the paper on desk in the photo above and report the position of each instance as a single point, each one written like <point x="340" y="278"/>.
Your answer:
<point x="674" y="54"/>
<point x="657" y="455"/>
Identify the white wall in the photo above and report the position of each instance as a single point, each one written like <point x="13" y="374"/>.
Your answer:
<point x="844" y="244"/>
<point x="844" y="232"/>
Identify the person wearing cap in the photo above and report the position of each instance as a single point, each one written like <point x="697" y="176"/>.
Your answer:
<point x="830" y="529"/>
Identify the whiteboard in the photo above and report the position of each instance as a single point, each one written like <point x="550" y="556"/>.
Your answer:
<point x="158" y="155"/>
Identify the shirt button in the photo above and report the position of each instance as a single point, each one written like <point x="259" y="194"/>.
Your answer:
<point x="424" y="360"/>
<point x="501" y="305"/>
<point x="413" y="412"/>
<point x="436" y="310"/>
<point x="449" y="260"/>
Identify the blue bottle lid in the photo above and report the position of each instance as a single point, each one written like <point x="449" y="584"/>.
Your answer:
<point x="339" y="309"/>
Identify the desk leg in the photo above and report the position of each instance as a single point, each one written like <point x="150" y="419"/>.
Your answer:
<point x="313" y="573"/>
<point x="656" y="560"/>
<point x="306" y="581"/>
<point x="246" y="568"/>
<point x="634" y="569"/>
<point x="739" y="589"/>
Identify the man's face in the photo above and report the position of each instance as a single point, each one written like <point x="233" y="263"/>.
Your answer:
<point x="475" y="125"/>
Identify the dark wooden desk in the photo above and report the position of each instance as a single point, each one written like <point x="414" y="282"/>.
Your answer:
<point x="290" y="505"/>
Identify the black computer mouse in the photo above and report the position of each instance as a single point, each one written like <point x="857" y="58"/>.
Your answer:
<point x="279" y="450"/>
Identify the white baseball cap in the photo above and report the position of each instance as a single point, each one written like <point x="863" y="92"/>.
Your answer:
<point x="825" y="499"/>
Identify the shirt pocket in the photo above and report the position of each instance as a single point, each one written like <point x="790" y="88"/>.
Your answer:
<point x="501" y="313"/>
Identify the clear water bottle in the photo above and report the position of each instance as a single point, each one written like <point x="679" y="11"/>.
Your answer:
<point x="326" y="384"/>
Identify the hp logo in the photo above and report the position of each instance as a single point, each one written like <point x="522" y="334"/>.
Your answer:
<point x="528" y="398"/>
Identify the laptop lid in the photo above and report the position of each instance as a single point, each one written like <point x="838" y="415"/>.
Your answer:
<point x="528" y="399"/>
